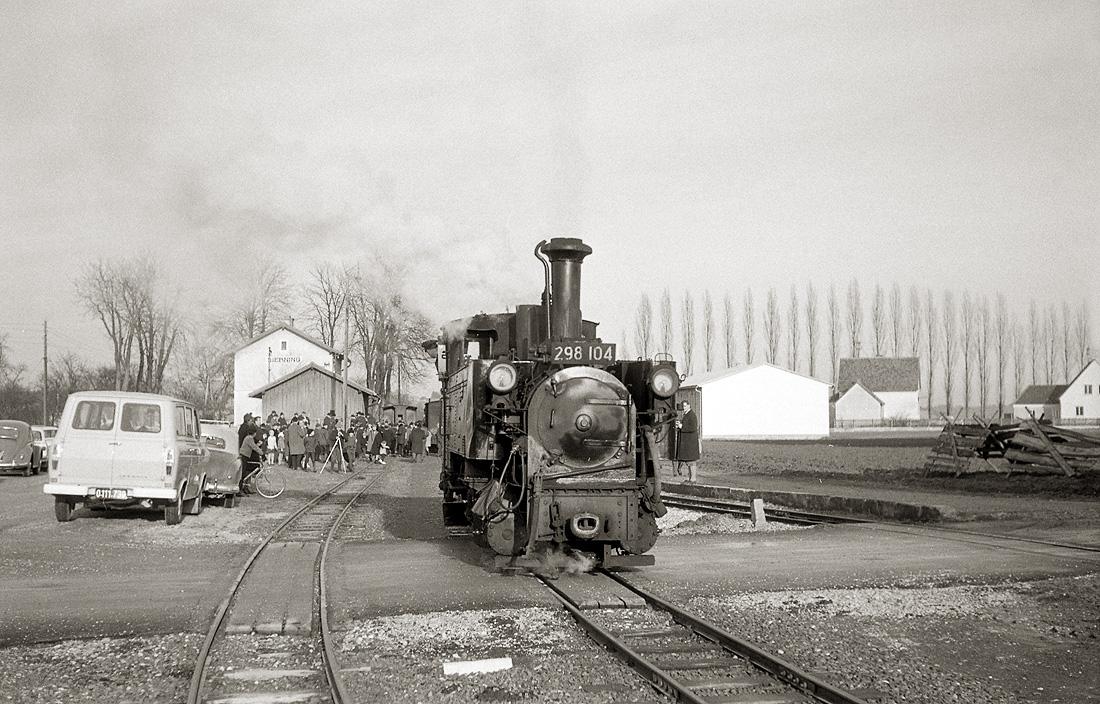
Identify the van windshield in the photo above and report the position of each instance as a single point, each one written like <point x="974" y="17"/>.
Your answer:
<point x="94" y="415"/>
<point x="141" y="418"/>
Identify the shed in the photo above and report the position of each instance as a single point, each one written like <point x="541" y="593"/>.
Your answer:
<point x="759" y="402"/>
<point x="858" y="404"/>
<point x="313" y="389"/>
<point x="1040" y="399"/>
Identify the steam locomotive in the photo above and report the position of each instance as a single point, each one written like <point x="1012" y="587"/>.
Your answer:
<point x="549" y="442"/>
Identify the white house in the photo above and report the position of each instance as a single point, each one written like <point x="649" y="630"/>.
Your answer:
<point x="1081" y="397"/>
<point x="759" y="401"/>
<point x="858" y="404"/>
<point x="1041" y="400"/>
<point x="1077" y="400"/>
<point x="894" y="380"/>
<point x="270" y="356"/>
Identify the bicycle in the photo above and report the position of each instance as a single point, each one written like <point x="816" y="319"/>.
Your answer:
<point x="266" y="480"/>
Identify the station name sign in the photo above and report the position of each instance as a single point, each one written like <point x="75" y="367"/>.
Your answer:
<point x="286" y="358"/>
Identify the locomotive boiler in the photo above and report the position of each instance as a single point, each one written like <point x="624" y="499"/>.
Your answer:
<point x="549" y="441"/>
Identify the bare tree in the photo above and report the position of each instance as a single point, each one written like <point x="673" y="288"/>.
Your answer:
<point x="794" y="331"/>
<point x="772" y="327"/>
<point x="855" y="318"/>
<point x="897" y="323"/>
<point x="666" y="322"/>
<point x="727" y="329"/>
<point x="99" y="288"/>
<point x="1003" y="344"/>
<point x="624" y="347"/>
<point x="1067" y="343"/>
<point x="1050" y="347"/>
<point x="949" y="342"/>
<point x="326" y="297"/>
<point x="687" y="331"/>
<point x="1083" y="334"/>
<point x="967" y="320"/>
<point x="930" y="337"/>
<point x="982" y="341"/>
<point x="1035" y="345"/>
<point x="812" y="331"/>
<point x="832" y="310"/>
<point x="1020" y="349"/>
<point x="643" y="327"/>
<point x="136" y="311"/>
<point x="748" y="325"/>
<point x="709" y="330"/>
<point x="264" y="298"/>
<point x="915" y="320"/>
<point x="387" y="333"/>
<point x="878" y="320"/>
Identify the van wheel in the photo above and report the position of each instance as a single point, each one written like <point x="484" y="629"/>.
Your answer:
<point x="63" y="509"/>
<point x="193" y="507"/>
<point x="173" y="512"/>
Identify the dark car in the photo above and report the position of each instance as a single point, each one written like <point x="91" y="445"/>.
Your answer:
<point x="18" y="451"/>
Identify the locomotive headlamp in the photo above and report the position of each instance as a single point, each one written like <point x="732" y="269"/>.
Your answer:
<point x="502" y="377"/>
<point x="663" y="382"/>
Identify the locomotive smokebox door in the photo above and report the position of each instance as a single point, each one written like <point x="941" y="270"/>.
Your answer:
<point x="581" y="417"/>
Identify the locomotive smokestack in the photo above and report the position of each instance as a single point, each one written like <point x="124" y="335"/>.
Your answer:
<point x="565" y="255"/>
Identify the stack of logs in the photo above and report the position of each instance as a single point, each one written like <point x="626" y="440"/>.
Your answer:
<point x="1028" y="443"/>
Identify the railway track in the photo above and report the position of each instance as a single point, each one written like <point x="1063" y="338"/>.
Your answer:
<point x="684" y="656"/>
<point x="281" y="591"/>
<point x="995" y="540"/>
<point x="739" y="508"/>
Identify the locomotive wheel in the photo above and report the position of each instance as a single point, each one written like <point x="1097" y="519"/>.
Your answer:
<point x="644" y="537"/>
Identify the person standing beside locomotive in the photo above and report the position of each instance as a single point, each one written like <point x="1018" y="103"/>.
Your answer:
<point x="417" y="438"/>
<point x="689" y="446"/>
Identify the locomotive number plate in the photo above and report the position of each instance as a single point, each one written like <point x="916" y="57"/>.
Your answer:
<point x="583" y="352"/>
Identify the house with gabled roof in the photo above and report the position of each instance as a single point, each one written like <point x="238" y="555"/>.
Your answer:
<point x="1079" y="400"/>
<point x="858" y="404"/>
<point x="272" y="355"/>
<point x="315" y="390"/>
<point x="895" y="381"/>
<point x="1040" y="400"/>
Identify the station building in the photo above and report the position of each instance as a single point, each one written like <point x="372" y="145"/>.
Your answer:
<point x="274" y="364"/>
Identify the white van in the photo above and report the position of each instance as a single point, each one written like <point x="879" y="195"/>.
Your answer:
<point x="116" y="448"/>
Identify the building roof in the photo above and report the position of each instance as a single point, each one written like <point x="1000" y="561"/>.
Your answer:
<point x="865" y="390"/>
<point x="1087" y="365"/>
<point x="1038" y="394"/>
<point x="258" y="393"/>
<point x="293" y="330"/>
<point x="708" y="377"/>
<point x="879" y="374"/>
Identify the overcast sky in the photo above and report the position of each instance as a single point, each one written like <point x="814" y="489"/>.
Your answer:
<point x="704" y="145"/>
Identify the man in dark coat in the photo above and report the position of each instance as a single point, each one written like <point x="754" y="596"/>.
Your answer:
<point x="417" y="436"/>
<point x="688" y="444"/>
<point x="245" y="428"/>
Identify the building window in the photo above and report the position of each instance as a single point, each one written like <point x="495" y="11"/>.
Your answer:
<point x="1088" y="388"/>
<point x="284" y="345"/>
<point x="1080" y="410"/>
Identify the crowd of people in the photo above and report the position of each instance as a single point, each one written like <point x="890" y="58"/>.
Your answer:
<point x="304" y="445"/>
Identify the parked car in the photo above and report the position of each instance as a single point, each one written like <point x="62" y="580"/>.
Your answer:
<point x="44" y="438"/>
<point x="223" y="478"/>
<point x="122" y="449"/>
<point x="18" y="453"/>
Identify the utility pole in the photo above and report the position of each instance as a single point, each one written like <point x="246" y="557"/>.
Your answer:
<point x="345" y="369"/>
<point x="45" y="373"/>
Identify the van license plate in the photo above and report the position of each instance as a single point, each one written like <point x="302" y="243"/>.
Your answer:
<point x="111" y="494"/>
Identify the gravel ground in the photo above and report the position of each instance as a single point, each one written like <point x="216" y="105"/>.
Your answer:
<point x="980" y="644"/>
<point x="147" y="670"/>
<point x="680" y="521"/>
<point x="400" y="659"/>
